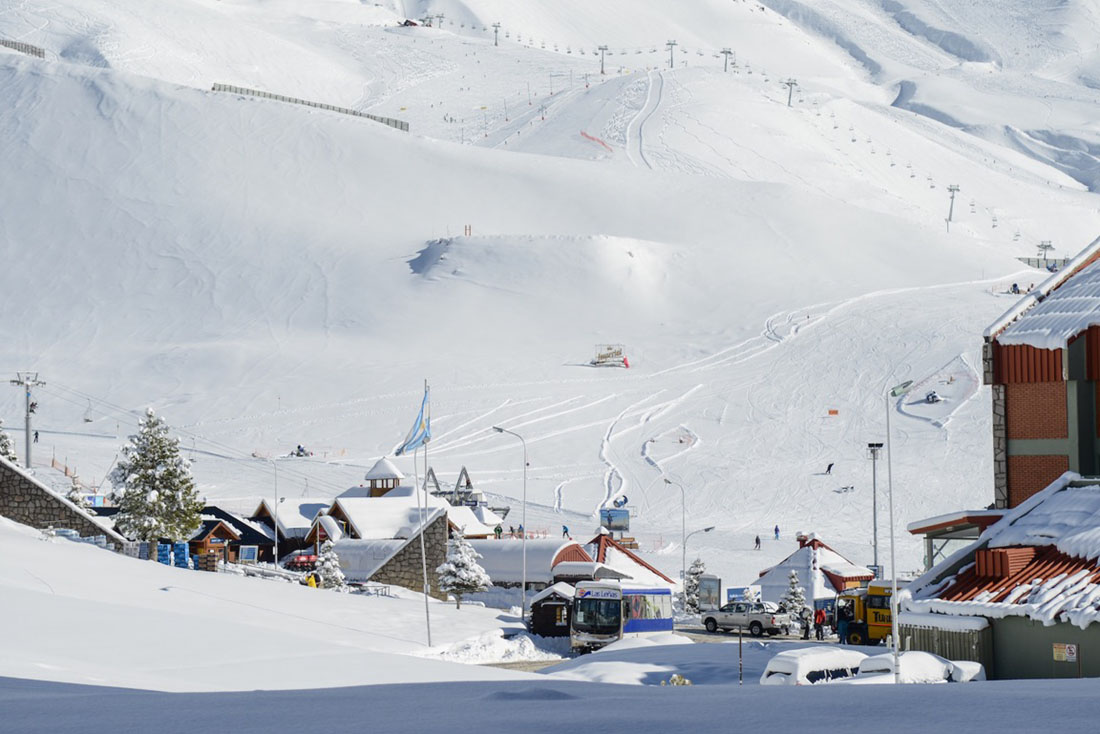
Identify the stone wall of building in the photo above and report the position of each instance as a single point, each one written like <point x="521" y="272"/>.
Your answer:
<point x="405" y="568"/>
<point x="26" y="500"/>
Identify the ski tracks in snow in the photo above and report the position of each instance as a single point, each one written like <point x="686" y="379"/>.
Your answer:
<point x="635" y="143"/>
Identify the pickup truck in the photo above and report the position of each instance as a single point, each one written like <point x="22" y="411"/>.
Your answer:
<point x="756" y="617"/>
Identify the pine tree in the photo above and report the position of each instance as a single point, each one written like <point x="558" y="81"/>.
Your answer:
<point x="691" y="586"/>
<point x="460" y="573"/>
<point x="328" y="568"/>
<point x="795" y="599"/>
<point x="153" y="488"/>
<point x="77" y="497"/>
<point x="7" y="447"/>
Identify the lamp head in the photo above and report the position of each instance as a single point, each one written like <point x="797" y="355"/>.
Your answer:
<point x="707" y="530"/>
<point x="498" y="429"/>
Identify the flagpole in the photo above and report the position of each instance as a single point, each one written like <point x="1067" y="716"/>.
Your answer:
<point x="423" y="529"/>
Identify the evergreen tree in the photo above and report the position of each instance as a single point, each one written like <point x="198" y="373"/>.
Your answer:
<point x="750" y="594"/>
<point x="460" y="573"/>
<point x="153" y="488"/>
<point x="7" y="447"/>
<point x="795" y="598"/>
<point x="328" y="568"/>
<point x="77" y="497"/>
<point x="691" y="586"/>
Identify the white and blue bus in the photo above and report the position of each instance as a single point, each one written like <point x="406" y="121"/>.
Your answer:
<point x="606" y="611"/>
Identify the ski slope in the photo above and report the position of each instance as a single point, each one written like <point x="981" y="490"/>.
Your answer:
<point x="266" y="274"/>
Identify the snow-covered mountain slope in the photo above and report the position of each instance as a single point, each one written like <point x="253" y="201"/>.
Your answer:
<point x="268" y="275"/>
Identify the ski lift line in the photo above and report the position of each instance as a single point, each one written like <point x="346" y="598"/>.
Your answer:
<point x="231" y="453"/>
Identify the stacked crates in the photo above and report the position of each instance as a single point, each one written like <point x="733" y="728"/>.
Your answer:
<point x="164" y="554"/>
<point x="182" y="555"/>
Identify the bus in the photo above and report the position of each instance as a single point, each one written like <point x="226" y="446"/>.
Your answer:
<point x="606" y="611"/>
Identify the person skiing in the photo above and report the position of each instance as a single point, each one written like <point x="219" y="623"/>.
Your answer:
<point x="829" y="468"/>
<point x="511" y="531"/>
<point x="757" y="543"/>
<point x="777" y="532"/>
<point x="520" y="531"/>
<point x="819" y="624"/>
<point x="36" y="436"/>
<point x="565" y="531"/>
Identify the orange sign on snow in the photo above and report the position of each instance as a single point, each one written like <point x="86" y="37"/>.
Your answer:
<point x="834" y="411"/>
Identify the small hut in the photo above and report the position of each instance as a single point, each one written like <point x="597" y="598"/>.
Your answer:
<point x="551" y="609"/>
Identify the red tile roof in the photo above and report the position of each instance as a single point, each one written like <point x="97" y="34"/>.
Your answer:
<point x="998" y="571"/>
<point x="603" y="541"/>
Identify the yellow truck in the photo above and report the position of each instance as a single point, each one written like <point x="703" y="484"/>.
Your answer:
<point x="866" y="613"/>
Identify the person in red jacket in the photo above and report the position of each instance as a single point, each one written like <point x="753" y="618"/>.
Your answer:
<point x="819" y="624"/>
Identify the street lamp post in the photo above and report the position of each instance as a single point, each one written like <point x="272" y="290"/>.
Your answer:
<point x="873" y="451"/>
<point x="895" y="392"/>
<point x="275" y="533"/>
<point x="683" y="537"/>
<point x="523" y="524"/>
<point x="693" y="532"/>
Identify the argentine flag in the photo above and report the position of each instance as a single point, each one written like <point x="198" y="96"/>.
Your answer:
<point x="421" y="432"/>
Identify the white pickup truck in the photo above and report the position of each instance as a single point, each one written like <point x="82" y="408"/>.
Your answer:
<point x="757" y="617"/>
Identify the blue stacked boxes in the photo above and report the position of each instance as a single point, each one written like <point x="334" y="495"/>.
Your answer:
<point x="182" y="556"/>
<point x="164" y="554"/>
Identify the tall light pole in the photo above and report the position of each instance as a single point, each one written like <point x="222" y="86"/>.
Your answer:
<point x="895" y="392"/>
<point x="683" y="537"/>
<point x="496" y="34"/>
<point x="873" y="451"/>
<point x="694" y="532"/>
<point x="671" y="46"/>
<point x="523" y="524"/>
<point x="602" y="50"/>
<point x="27" y="380"/>
<point x="275" y="468"/>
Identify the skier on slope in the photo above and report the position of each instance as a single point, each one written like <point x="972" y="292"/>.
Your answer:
<point x="777" y="532"/>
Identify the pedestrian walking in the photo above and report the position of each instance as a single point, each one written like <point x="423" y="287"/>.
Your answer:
<point x="498" y="531"/>
<point x="819" y="624"/>
<point x="806" y="617"/>
<point x="511" y="531"/>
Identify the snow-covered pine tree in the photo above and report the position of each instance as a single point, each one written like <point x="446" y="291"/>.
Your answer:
<point x="750" y="594"/>
<point x="328" y="568"/>
<point x="691" y="586"/>
<point x="153" y="488"/>
<point x="77" y="497"/>
<point x="7" y="446"/>
<point x="460" y="573"/>
<point x="795" y="598"/>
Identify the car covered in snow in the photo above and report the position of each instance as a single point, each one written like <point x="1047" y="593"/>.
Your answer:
<point x="916" y="667"/>
<point x="811" y="665"/>
<point x="757" y="617"/>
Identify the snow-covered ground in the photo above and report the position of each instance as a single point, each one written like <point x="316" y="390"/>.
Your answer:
<point x="267" y="275"/>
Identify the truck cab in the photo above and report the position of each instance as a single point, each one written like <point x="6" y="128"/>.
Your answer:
<point x="867" y="611"/>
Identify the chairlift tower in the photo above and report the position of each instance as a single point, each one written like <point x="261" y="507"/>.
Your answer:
<point x="790" y="84"/>
<point x="671" y="61"/>
<point x="1044" y="248"/>
<point x="951" y="189"/>
<point x="727" y="53"/>
<point x="496" y="34"/>
<point x="27" y="380"/>
<point x="602" y="50"/>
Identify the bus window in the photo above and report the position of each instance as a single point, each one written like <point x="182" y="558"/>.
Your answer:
<point x="597" y="615"/>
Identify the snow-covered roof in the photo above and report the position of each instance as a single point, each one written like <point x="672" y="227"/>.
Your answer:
<point x="560" y="588"/>
<point x="621" y="562"/>
<point x="464" y="519"/>
<point x="587" y="570"/>
<point x="296" y="515"/>
<point x="1068" y="311"/>
<point x="377" y="518"/>
<point x="1053" y="540"/>
<point x="503" y="559"/>
<point x="812" y="562"/>
<point x="1042" y="332"/>
<point x="487" y="516"/>
<point x="383" y="469"/>
<point x="361" y="559"/>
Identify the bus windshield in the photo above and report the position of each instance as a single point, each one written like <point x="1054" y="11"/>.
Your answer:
<point x="600" y="616"/>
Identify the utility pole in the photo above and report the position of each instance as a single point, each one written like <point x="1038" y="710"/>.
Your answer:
<point x="952" y="189"/>
<point x="790" y="84"/>
<point x="27" y="380"/>
<point x="671" y="61"/>
<point x="602" y="50"/>
<point x="873" y="451"/>
<point x="726" y="52"/>
<point x="496" y="32"/>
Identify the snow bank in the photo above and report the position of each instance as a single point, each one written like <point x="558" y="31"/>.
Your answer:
<point x="494" y="647"/>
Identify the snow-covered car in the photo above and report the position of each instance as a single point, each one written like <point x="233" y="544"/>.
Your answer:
<point x="757" y="617"/>
<point x="810" y="665"/>
<point x="916" y="667"/>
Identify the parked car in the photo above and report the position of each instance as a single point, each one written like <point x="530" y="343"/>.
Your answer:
<point x="809" y="665"/>
<point x="916" y="667"/>
<point x="757" y="617"/>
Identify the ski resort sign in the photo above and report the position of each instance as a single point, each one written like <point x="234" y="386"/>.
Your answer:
<point x="1065" y="652"/>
